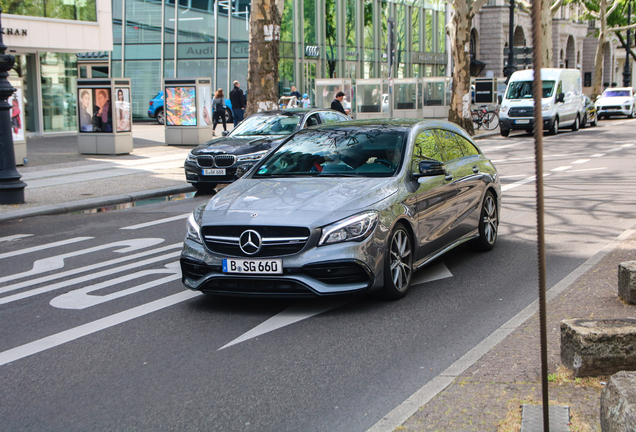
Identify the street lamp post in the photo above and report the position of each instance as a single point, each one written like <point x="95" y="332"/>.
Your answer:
<point x="627" y="74"/>
<point x="11" y="188"/>
<point x="510" y="67"/>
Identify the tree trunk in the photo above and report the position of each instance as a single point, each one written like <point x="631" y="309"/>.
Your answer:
<point x="546" y="35"/>
<point x="600" y="52"/>
<point x="262" y="73"/>
<point x="459" y="34"/>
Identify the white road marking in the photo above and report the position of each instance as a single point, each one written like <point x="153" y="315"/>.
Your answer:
<point x="156" y="222"/>
<point x="598" y="155"/>
<point x="81" y="298"/>
<point x="57" y="262"/>
<point x="45" y="289"/>
<point x="521" y="182"/>
<point x="580" y="161"/>
<point x="588" y="169"/>
<point x="562" y="168"/>
<point x="440" y="271"/>
<point x="512" y="176"/>
<point x="43" y="247"/>
<point x="298" y="312"/>
<point x="66" y="336"/>
<point x="14" y="237"/>
<point x="616" y="149"/>
<point x="627" y="145"/>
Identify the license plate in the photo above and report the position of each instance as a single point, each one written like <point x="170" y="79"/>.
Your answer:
<point x="218" y="171"/>
<point x="248" y="266"/>
<point x="522" y="121"/>
<point x="612" y="109"/>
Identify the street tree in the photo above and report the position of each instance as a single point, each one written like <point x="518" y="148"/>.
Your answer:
<point x="262" y="73"/>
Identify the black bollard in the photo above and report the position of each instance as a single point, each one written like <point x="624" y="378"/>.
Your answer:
<point x="11" y="188"/>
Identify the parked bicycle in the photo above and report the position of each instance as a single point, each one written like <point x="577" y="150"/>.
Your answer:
<point x="483" y="117"/>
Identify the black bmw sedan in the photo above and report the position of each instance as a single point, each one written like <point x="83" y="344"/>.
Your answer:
<point x="224" y="159"/>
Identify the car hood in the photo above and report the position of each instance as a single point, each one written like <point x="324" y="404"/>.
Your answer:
<point x="619" y="100"/>
<point x="295" y="201"/>
<point x="238" y="145"/>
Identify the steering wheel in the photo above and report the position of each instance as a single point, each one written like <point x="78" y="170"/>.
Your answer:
<point x="384" y="162"/>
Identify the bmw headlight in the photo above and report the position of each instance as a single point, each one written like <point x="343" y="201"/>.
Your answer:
<point x="252" y="157"/>
<point x="194" y="225"/>
<point x="353" y="228"/>
<point x="191" y="157"/>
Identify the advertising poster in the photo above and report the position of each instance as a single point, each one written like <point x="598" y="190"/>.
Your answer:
<point x="17" y="115"/>
<point x="102" y="110"/>
<point x="181" y="106"/>
<point x="122" y="107"/>
<point x="85" y="97"/>
<point x="205" y="105"/>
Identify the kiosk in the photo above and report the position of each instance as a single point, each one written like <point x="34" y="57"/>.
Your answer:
<point x="188" y="110"/>
<point x="436" y="100"/>
<point x="372" y="98"/>
<point x="327" y="88"/>
<point x="17" y="123"/>
<point x="407" y="98"/>
<point x="104" y="127"/>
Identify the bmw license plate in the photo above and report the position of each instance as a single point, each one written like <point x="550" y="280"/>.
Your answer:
<point x="247" y="266"/>
<point x="522" y="121"/>
<point x="210" y="172"/>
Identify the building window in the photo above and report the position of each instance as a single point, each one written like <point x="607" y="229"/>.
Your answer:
<point x="76" y="10"/>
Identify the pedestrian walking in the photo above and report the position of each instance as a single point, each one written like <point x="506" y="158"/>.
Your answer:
<point x="218" y="103"/>
<point x="238" y="103"/>
<point x="336" y="104"/>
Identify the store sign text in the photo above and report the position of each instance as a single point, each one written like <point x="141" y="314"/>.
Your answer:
<point x="14" y="32"/>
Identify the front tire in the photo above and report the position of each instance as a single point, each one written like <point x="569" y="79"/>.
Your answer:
<point x="631" y="114"/>
<point x="490" y="121"/>
<point x="160" y="116"/>
<point x="584" y="122"/>
<point x="555" y="127"/>
<point x="229" y="118"/>
<point x="398" y="264"/>
<point x="504" y="132"/>
<point x="576" y="124"/>
<point x="488" y="225"/>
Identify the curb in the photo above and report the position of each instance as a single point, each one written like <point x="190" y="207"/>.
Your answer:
<point x="75" y="206"/>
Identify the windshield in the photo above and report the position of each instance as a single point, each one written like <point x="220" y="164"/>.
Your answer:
<point x="616" y="93"/>
<point x="523" y="89"/>
<point x="275" y="124"/>
<point x="339" y="153"/>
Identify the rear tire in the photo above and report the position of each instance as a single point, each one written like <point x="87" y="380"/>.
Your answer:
<point x="398" y="264"/>
<point x="160" y="116"/>
<point x="595" y="121"/>
<point x="229" y="118"/>
<point x="488" y="225"/>
<point x="204" y="188"/>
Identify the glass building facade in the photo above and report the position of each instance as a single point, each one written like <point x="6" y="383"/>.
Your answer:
<point x="319" y="39"/>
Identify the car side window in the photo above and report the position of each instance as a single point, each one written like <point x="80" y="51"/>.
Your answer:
<point x="330" y="117"/>
<point x="560" y="88"/>
<point x="312" y="120"/>
<point x="450" y="147"/>
<point x="425" y="148"/>
<point x="468" y="149"/>
<point x="342" y="118"/>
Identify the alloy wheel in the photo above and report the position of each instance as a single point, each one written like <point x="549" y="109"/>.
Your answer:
<point x="401" y="260"/>
<point x="490" y="221"/>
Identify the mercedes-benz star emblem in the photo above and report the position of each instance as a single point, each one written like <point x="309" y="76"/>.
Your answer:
<point x="250" y="242"/>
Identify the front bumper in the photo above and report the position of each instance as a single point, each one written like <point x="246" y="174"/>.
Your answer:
<point x="603" y="111"/>
<point x="523" y="123"/>
<point x="342" y="268"/>
<point x="194" y="174"/>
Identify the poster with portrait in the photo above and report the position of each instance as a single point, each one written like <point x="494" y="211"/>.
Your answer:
<point x="122" y="110"/>
<point x="181" y="106"/>
<point x="102" y="111"/>
<point x="205" y="105"/>
<point x="85" y="98"/>
<point x="17" y="115"/>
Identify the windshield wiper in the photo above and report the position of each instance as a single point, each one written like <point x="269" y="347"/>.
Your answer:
<point x="338" y="175"/>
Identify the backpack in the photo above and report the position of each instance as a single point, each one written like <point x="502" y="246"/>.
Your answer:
<point x="219" y="107"/>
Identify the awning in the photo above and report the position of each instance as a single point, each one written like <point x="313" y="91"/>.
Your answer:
<point x="476" y="67"/>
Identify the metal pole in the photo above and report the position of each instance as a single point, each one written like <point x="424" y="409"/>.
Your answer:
<point x="537" y="93"/>
<point x="11" y="188"/>
<point x="627" y="74"/>
<point x="510" y="67"/>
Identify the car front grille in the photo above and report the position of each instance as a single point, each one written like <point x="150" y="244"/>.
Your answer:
<point x="221" y="161"/>
<point x="610" y="107"/>
<point x="276" y="241"/>
<point x="257" y="286"/>
<point x="521" y="112"/>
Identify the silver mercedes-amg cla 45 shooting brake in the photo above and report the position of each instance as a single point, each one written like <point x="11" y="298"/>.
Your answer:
<point x="345" y="208"/>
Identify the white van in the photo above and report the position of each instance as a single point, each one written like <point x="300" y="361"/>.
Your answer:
<point x="562" y="104"/>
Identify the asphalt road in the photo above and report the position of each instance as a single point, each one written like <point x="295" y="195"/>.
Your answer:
<point x="97" y="332"/>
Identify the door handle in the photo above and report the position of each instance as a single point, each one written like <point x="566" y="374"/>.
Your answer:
<point x="475" y="169"/>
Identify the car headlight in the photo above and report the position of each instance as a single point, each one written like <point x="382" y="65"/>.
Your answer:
<point x="357" y="227"/>
<point x="545" y="107"/>
<point x="252" y="157"/>
<point x="191" y="158"/>
<point x="194" y="225"/>
<point x="504" y="109"/>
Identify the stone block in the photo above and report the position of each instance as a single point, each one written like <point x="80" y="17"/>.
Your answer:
<point x="598" y="347"/>
<point x="618" y="403"/>
<point x="627" y="281"/>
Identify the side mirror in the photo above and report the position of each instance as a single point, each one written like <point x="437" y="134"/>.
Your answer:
<point x="431" y="168"/>
<point x="225" y="133"/>
<point x="560" y="97"/>
<point x="499" y="99"/>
